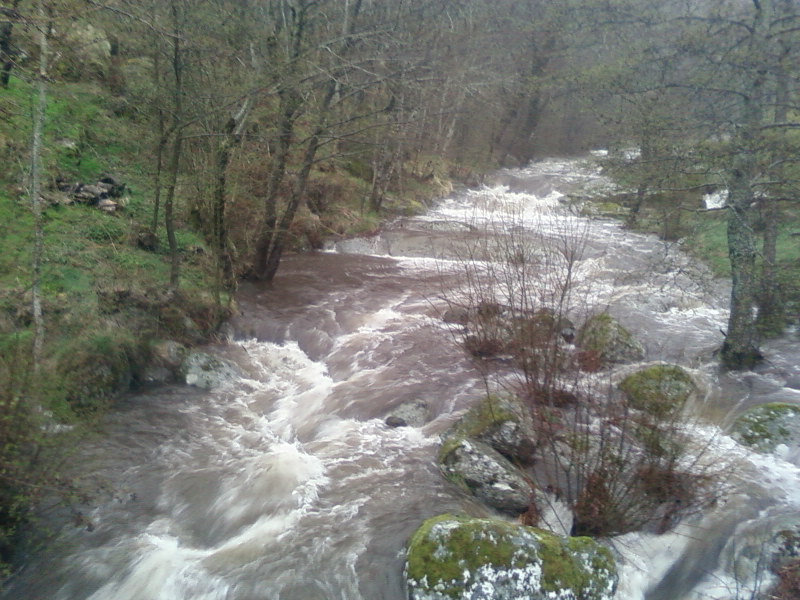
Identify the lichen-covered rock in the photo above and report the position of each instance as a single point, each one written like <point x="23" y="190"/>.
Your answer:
<point x="602" y="337"/>
<point x="767" y="426"/>
<point x="462" y="558"/>
<point x="206" y="371"/>
<point x="658" y="390"/>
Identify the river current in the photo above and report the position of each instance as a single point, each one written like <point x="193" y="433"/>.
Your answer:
<point x="285" y="484"/>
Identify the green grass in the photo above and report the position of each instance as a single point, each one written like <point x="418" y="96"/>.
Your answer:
<point x="86" y="251"/>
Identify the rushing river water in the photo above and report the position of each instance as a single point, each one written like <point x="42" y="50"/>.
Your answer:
<point x="287" y="485"/>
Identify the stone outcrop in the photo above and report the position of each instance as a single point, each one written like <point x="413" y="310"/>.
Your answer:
<point x="488" y="475"/>
<point x="106" y="193"/>
<point x="481" y="451"/>
<point x="409" y="414"/>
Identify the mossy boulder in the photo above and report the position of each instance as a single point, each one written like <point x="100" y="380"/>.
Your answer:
<point x="607" y="342"/>
<point x="456" y="557"/>
<point x="502" y="423"/>
<point x="659" y="390"/>
<point x="767" y="426"/>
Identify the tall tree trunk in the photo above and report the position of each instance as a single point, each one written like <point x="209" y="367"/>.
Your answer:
<point x="177" y="146"/>
<point x="232" y="137"/>
<point x="258" y="269"/>
<point x="36" y="183"/>
<point x="771" y="312"/>
<point x="741" y="347"/>
<point x="169" y="210"/>
<point x="6" y="54"/>
<point x="280" y="233"/>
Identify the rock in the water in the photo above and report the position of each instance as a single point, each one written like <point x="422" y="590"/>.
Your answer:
<point x="759" y="546"/>
<point x="462" y="558"/>
<point x="793" y="382"/>
<point x="487" y="474"/>
<point x="503" y="423"/>
<point x="767" y="426"/>
<point x="413" y="414"/>
<point x="207" y="371"/>
<point x="603" y="339"/>
<point x="659" y="390"/>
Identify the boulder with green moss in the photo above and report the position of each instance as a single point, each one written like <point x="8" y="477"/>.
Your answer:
<point x="455" y="557"/>
<point x="767" y="426"/>
<point x="658" y="390"/>
<point x="603" y="338"/>
<point x="502" y="423"/>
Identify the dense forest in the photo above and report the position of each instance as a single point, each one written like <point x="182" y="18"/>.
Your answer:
<point x="157" y="152"/>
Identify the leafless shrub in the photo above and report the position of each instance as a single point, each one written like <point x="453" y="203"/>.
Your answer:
<point x="618" y="467"/>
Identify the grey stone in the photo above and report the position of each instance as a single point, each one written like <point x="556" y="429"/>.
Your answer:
<point x="414" y="414"/>
<point x="488" y="475"/>
<point x="206" y="371"/>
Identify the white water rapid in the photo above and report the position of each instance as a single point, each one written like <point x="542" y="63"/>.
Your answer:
<point x="287" y="485"/>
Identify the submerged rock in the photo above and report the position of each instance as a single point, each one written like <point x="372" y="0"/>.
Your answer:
<point x="206" y="371"/>
<point x="761" y="547"/>
<point x="462" y="558"/>
<point x="767" y="426"/>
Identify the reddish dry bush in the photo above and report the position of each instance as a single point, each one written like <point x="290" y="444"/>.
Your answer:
<point x="788" y="586"/>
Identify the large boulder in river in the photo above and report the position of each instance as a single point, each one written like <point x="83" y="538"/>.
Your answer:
<point x="487" y="474"/>
<point x="206" y="371"/>
<point x="658" y="390"/>
<point x="603" y="342"/>
<point x="462" y="558"/>
<point x="767" y="426"/>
